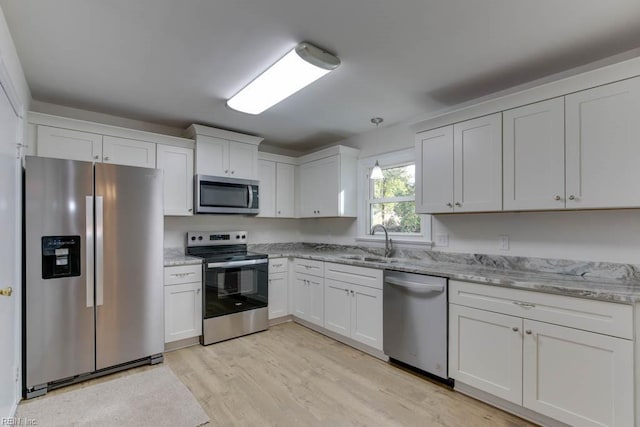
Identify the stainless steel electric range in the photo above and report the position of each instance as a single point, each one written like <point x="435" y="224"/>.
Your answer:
<point x="235" y="285"/>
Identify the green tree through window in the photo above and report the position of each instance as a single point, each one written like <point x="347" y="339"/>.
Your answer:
<point x="392" y="201"/>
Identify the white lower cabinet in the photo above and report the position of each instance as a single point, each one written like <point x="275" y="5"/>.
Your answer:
<point x="182" y="302"/>
<point x="278" y="287"/>
<point x="308" y="298"/>
<point x="570" y="374"/>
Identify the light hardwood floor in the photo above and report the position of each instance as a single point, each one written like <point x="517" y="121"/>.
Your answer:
<point x="292" y="376"/>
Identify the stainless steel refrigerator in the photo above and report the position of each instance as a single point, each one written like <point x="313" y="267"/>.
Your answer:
<point x="93" y="260"/>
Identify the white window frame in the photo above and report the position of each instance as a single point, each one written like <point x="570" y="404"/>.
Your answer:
<point x="365" y="191"/>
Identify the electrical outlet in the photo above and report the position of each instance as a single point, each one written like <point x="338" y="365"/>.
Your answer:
<point x="504" y="242"/>
<point x="442" y="240"/>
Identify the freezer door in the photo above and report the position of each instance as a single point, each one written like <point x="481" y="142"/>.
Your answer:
<point x="129" y="264"/>
<point x="59" y="316"/>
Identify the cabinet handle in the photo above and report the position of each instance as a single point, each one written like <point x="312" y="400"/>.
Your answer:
<point x="528" y="332"/>
<point x="226" y="171"/>
<point x="458" y="204"/>
<point x="277" y="265"/>
<point x="198" y="291"/>
<point x="106" y="159"/>
<point x="318" y="211"/>
<point x="96" y="157"/>
<point x="232" y="172"/>
<point x="278" y="212"/>
<point x="524" y="304"/>
<point x="353" y="293"/>
<point x="557" y="197"/>
<point x="515" y="329"/>
<point x="347" y="291"/>
<point x="572" y="197"/>
<point x="450" y="204"/>
<point x="190" y="210"/>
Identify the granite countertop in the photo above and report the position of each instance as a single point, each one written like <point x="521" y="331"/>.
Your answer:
<point x="611" y="282"/>
<point x="176" y="256"/>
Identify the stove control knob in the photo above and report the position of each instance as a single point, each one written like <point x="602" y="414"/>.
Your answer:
<point x="199" y="237"/>
<point x="244" y="237"/>
<point x="193" y="237"/>
<point x="237" y="236"/>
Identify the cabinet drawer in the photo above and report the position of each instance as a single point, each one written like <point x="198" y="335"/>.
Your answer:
<point x="278" y="265"/>
<point x="364" y="276"/>
<point x="308" y="266"/>
<point x="182" y="274"/>
<point x="595" y="316"/>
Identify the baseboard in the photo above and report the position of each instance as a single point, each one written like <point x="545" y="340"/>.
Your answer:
<point x="345" y="340"/>
<point x="507" y="406"/>
<point x="176" y="345"/>
<point x="279" y="320"/>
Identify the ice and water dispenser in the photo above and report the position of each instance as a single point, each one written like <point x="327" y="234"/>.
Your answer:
<point x="60" y="256"/>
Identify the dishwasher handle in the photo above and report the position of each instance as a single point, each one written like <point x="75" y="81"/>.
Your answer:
<point x="425" y="287"/>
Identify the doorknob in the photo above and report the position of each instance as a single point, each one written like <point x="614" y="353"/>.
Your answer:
<point x="6" y="292"/>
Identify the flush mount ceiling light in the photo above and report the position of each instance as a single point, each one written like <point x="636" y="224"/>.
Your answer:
<point x="376" y="172"/>
<point x="301" y="66"/>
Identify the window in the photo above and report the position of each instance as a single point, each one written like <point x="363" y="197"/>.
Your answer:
<point x="391" y="201"/>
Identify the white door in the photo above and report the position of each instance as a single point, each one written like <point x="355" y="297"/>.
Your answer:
<point x="434" y="170"/>
<point x="337" y="307"/>
<point x="128" y="152"/>
<point x="319" y="182"/>
<point x="177" y="165"/>
<point x="68" y="144"/>
<point x="316" y="300"/>
<point x="10" y="225"/>
<point x="603" y="147"/>
<point x="485" y="351"/>
<point x="267" y="178"/>
<point x="278" y="300"/>
<point x="285" y="190"/>
<point x="477" y="164"/>
<point x="182" y="311"/>
<point x="243" y="160"/>
<point x="533" y="156"/>
<point x="212" y="156"/>
<point x="366" y="315"/>
<point x="301" y="298"/>
<point x="580" y="378"/>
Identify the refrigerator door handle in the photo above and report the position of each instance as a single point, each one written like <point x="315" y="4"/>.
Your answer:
<point x="89" y="249"/>
<point x="99" y="250"/>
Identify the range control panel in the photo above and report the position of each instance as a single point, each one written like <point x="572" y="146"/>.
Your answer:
<point x="214" y="238"/>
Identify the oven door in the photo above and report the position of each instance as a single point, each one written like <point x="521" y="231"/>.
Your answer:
<point x="235" y="286"/>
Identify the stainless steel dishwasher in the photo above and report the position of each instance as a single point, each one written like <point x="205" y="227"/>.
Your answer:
<point x="415" y="321"/>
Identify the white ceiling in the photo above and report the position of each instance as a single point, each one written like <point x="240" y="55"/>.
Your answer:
<point x="176" y="62"/>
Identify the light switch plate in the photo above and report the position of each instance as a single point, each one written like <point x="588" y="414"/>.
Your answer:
<point x="442" y="240"/>
<point x="504" y="242"/>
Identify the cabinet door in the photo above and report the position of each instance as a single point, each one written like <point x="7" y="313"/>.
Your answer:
<point x="301" y="298"/>
<point x="533" y="163"/>
<point x="319" y="182"/>
<point x="485" y="351"/>
<point x="278" y="295"/>
<point x="603" y="147"/>
<point x="69" y="144"/>
<point x="177" y="164"/>
<point x="316" y="300"/>
<point x="285" y="190"/>
<point x="128" y="152"/>
<point x="243" y="160"/>
<point x="182" y="311"/>
<point x="578" y="377"/>
<point x="212" y="156"/>
<point x="337" y="307"/>
<point x="267" y="178"/>
<point x="434" y="171"/>
<point x="366" y="315"/>
<point x="477" y="164"/>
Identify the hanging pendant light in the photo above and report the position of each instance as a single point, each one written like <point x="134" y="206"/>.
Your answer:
<point x="376" y="172"/>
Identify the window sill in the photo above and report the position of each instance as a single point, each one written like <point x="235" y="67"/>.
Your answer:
<point x="399" y="240"/>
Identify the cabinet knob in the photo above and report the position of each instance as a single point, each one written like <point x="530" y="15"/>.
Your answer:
<point x="528" y="332"/>
<point x="226" y="171"/>
<point x="232" y="172"/>
<point x="106" y="159"/>
<point x="96" y="157"/>
<point x="557" y="197"/>
<point x="198" y="291"/>
<point x="352" y="293"/>
<point x="458" y="204"/>
<point x="450" y="205"/>
<point x="515" y="329"/>
<point x="572" y="197"/>
<point x="347" y="291"/>
<point x="278" y="212"/>
<point x="190" y="210"/>
<point x="318" y="211"/>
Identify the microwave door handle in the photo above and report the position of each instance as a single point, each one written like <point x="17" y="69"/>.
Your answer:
<point x="250" y="188"/>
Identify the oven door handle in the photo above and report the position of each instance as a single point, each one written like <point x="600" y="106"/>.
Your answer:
<point x="230" y="264"/>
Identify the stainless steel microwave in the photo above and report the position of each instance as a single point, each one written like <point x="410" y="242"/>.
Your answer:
<point x="220" y="195"/>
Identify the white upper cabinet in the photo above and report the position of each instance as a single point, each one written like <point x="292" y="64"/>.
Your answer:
<point x="533" y="162"/>
<point x="267" y="178"/>
<point x="224" y="153"/>
<point x="459" y="167"/>
<point x="328" y="183"/>
<point x="477" y="164"/>
<point x="285" y="190"/>
<point x="68" y="144"/>
<point x="177" y="164"/>
<point x="603" y="147"/>
<point x="434" y="171"/>
<point x="128" y="152"/>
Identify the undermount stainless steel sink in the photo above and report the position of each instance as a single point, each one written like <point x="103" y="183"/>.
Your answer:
<point x="369" y="258"/>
